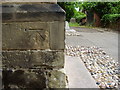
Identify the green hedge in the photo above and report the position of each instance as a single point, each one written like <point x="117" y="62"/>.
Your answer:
<point x="109" y="18"/>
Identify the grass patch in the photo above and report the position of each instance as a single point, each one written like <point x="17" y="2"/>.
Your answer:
<point x="77" y="25"/>
<point x="73" y="24"/>
<point x="82" y="26"/>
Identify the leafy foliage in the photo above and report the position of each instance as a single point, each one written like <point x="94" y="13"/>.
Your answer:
<point x="69" y="8"/>
<point x="109" y="12"/>
<point x="87" y="5"/>
<point x="110" y="18"/>
<point x="102" y="7"/>
<point x="79" y="15"/>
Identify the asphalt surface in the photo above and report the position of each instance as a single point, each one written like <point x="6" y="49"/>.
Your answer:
<point x="107" y="40"/>
<point x="78" y="75"/>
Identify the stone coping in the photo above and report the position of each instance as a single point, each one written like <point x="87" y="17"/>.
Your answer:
<point x="41" y="7"/>
<point x="22" y="11"/>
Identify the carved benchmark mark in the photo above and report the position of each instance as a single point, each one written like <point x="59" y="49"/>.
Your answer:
<point x="38" y="31"/>
<point x="43" y="38"/>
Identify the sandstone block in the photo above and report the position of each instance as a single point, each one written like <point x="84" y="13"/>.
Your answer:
<point x="56" y="79"/>
<point x="33" y="59"/>
<point x="57" y="35"/>
<point x="25" y="35"/>
<point x="24" y="79"/>
<point x="33" y="35"/>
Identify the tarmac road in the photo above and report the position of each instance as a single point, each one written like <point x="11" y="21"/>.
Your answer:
<point x="107" y="40"/>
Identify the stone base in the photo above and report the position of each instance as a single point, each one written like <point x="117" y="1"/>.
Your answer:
<point x="33" y="79"/>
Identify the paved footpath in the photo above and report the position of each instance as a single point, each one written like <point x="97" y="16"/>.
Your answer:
<point x="78" y="75"/>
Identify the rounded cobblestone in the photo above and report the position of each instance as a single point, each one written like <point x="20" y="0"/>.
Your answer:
<point x="103" y="68"/>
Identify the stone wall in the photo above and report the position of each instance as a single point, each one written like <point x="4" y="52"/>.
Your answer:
<point x="33" y="46"/>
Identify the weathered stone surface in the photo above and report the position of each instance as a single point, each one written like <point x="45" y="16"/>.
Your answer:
<point x="26" y="1"/>
<point x="25" y="35"/>
<point x="73" y="20"/>
<point x="56" y="79"/>
<point x="32" y="46"/>
<point x="33" y="35"/>
<point x="24" y="79"/>
<point x="31" y="26"/>
<point x="33" y="59"/>
<point x="67" y="27"/>
<point x="33" y="79"/>
<point x="57" y="35"/>
<point x="40" y="16"/>
<point x="32" y="12"/>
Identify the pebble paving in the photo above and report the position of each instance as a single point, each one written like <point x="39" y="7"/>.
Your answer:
<point x="103" y="68"/>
